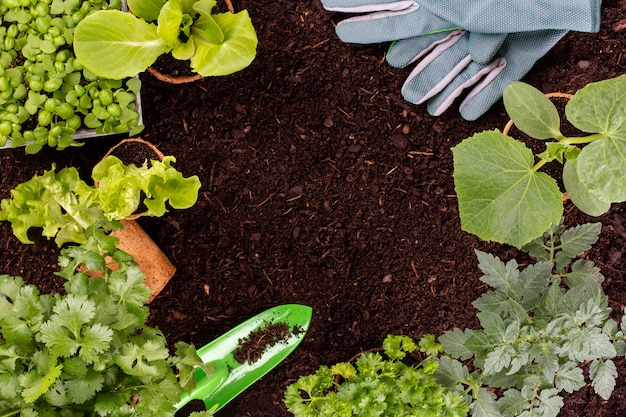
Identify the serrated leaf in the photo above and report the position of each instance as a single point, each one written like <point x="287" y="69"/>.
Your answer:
<point x="485" y="404"/>
<point x="569" y="377"/>
<point x="453" y="342"/>
<point x="585" y="275"/>
<point x="497" y="274"/>
<point x="450" y="373"/>
<point x="579" y="239"/>
<point x="512" y="404"/>
<point x="603" y="375"/>
<point x="501" y="197"/>
<point x="83" y="389"/>
<point x="533" y="280"/>
<point x="550" y="403"/>
<point x="35" y="385"/>
<point x="579" y="194"/>
<point x="498" y="359"/>
<point x="532" y="112"/>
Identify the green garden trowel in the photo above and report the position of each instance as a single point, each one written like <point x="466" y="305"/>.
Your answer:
<point x="232" y="377"/>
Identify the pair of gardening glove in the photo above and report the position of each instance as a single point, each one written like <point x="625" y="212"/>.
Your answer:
<point x="470" y="47"/>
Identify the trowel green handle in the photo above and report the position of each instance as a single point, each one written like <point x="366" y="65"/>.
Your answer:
<point x="231" y="377"/>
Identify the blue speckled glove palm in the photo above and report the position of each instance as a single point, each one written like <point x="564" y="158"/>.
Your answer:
<point x="483" y="44"/>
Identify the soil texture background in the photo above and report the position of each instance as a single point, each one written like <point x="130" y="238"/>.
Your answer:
<point x="322" y="186"/>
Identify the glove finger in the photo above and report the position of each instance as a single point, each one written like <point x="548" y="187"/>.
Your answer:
<point x="365" y="6"/>
<point x="521" y="51"/>
<point x="387" y="26"/>
<point x="475" y="74"/>
<point x="404" y="52"/>
<point x="483" y="47"/>
<point x="495" y="16"/>
<point x="437" y="69"/>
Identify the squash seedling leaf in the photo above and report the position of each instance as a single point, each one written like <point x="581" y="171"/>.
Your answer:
<point x="532" y="112"/>
<point x="501" y="197"/>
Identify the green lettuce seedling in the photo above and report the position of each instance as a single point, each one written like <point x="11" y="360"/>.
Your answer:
<point x="502" y="194"/>
<point x="114" y="44"/>
<point x="66" y="207"/>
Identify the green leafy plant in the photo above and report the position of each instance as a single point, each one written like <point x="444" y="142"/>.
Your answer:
<point x="66" y="207"/>
<point x="88" y="351"/>
<point x="502" y="194"/>
<point x="377" y="385"/>
<point x="46" y="95"/>
<point x="540" y="328"/>
<point x="115" y="45"/>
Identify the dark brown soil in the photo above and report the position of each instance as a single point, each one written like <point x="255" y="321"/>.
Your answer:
<point x="322" y="186"/>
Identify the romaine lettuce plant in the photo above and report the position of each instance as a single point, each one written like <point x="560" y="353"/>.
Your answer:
<point x="66" y="207"/>
<point x="114" y="44"/>
<point x="88" y="351"/>
<point x="377" y="385"/>
<point x="502" y="194"/>
<point x="540" y="329"/>
<point x="46" y="95"/>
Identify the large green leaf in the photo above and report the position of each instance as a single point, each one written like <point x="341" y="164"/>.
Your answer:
<point x="602" y="168"/>
<point x="531" y="111"/>
<point x="237" y="50"/>
<point x="500" y="196"/>
<point x="601" y="108"/>
<point x="578" y="192"/>
<point x="114" y="44"/>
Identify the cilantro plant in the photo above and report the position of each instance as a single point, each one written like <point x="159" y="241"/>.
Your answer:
<point x="46" y="95"/>
<point x="502" y="194"/>
<point x="88" y="351"/>
<point x="377" y="385"/>
<point x="66" y="207"/>
<point x="540" y="328"/>
<point x="114" y="44"/>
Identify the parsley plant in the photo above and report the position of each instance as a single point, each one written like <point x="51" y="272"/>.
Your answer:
<point x="88" y="352"/>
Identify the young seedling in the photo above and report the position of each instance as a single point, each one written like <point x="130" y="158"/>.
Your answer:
<point x="116" y="45"/>
<point x="502" y="194"/>
<point x="540" y="327"/>
<point x="46" y="94"/>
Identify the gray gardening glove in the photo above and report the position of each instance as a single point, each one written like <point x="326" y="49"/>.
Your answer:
<point x="446" y="70"/>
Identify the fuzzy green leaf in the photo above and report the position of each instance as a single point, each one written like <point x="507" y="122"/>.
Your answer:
<point x="569" y="377"/>
<point x="485" y="404"/>
<point x="601" y="108"/>
<point x="550" y="403"/>
<point x="603" y="375"/>
<point x="586" y="276"/>
<point x="577" y="240"/>
<point x="513" y="403"/>
<point x="453" y="342"/>
<point x="532" y="112"/>
<point x="579" y="194"/>
<point x="497" y="274"/>
<point x="501" y="197"/>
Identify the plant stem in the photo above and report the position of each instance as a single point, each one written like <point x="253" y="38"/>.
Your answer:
<point x="582" y="140"/>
